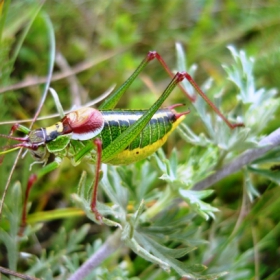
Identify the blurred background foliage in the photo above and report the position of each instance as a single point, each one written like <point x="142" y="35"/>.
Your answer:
<point x="109" y="39"/>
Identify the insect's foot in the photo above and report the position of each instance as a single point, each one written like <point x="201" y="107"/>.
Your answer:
<point x="98" y="216"/>
<point x="238" y="125"/>
<point x="21" y="229"/>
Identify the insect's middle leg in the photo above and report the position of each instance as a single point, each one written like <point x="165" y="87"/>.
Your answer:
<point x="98" y="144"/>
<point x="82" y="153"/>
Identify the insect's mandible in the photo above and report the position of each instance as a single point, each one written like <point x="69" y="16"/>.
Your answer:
<point x="107" y="135"/>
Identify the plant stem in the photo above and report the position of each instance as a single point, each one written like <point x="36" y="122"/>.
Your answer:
<point x="109" y="247"/>
<point x="266" y="144"/>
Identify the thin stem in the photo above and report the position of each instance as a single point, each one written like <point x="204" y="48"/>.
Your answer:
<point x="76" y="69"/>
<point x="266" y="144"/>
<point x="257" y="258"/>
<point x="23" y="36"/>
<point x="243" y="209"/>
<point x="77" y="92"/>
<point x="50" y="30"/>
<point x="8" y="182"/>
<point x="109" y="247"/>
<point x="16" y="274"/>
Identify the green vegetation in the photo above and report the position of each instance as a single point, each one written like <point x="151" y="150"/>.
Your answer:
<point x="162" y="227"/>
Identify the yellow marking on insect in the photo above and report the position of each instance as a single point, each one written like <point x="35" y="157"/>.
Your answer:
<point x="58" y="127"/>
<point x="129" y="156"/>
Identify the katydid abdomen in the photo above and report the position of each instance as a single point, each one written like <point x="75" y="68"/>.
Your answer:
<point x="152" y="137"/>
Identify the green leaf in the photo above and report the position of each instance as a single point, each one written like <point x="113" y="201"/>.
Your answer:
<point x="193" y="198"/>
<point x="164" y="254"/>
<point x="272" y="175"/>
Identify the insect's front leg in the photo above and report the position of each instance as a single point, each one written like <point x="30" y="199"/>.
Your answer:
<point x="15" y="127"/>
<point x="31" y="181"/>
<point x="19" y="127"/>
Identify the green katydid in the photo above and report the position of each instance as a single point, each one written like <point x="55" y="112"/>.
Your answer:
<point x="107" y="135"/>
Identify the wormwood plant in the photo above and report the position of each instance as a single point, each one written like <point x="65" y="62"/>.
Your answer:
<point x="154" y="208"/>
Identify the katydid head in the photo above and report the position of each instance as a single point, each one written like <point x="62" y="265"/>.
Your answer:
<point x="34" y="141"/>
<point x="82" y="124"/>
